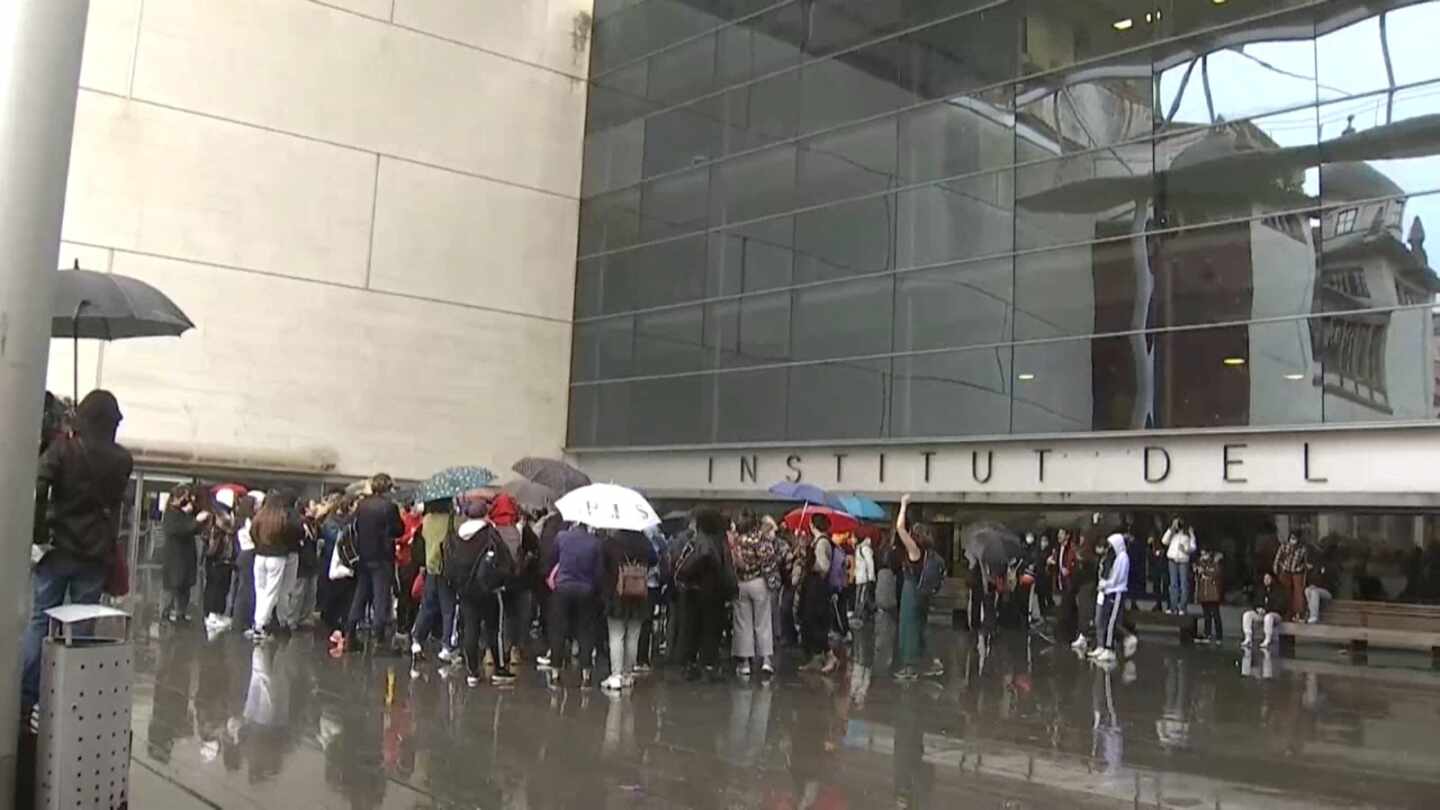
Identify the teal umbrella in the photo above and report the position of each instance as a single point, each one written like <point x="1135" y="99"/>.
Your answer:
<point x="857" y="505"/>
<point x="452" y="481"/>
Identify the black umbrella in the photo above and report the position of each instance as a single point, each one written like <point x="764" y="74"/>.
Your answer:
<point x="104" y="306"/>
<point x="990" y="544"/>
<point x="530" y="495"/>
<point x="551" y="473"/>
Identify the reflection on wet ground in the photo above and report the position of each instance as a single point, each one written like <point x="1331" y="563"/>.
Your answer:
<point x="1014" y="726"/>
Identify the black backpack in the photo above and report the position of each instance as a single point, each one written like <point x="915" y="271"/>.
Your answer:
<point x="478" y="566"/>
<point x="345" y="546"/>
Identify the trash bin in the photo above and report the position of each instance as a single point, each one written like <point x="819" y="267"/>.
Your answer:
<point x="83" y="751"/>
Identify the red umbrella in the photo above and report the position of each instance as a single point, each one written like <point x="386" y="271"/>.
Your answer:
<point x="839" y="521"/>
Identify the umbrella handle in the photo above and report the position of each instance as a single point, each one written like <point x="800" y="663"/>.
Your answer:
<point x="75" y="347"/>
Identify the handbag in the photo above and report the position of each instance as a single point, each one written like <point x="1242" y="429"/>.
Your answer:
<point x="338" y="568"/>
<point x="117" y="573"/>
<point x="417" y="588"/>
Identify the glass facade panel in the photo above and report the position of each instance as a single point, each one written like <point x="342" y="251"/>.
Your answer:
<point x="925" y="218"/>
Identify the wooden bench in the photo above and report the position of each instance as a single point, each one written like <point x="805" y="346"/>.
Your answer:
<point x="1358" y="625"/>
<point x="1382" y="615"/>
<point x="1188" y="625"/>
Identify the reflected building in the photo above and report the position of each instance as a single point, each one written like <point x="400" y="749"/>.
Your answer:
<point x="819" y="238"/>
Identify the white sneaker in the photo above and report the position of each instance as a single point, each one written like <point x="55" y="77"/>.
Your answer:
<point x="1245" y="643"/>
<point x="415" y="648"/>
<point x="1105" y="656"/>
<point x="472" y="681"/>
<point x="1131" y="645"/>
<point x="1079" y="644"/>
<point x="1095" y="653"/>
<point x="446" y="654"/>
<point x="1267" y="642"/>
<point x="1312" y="621"/>
<point x="542" y="660"/>
<point x="614" y="683"/>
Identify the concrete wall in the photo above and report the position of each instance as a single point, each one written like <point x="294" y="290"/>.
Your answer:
<point x="369" y="207"/>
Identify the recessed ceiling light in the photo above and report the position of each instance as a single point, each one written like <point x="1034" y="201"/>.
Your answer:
<point x="1123" y="25"/>
<point x="1294" y="376"/>
<point x="1026" y="376"/>
<point x="1218" y="2"/>
<point x="1234" y="361"/>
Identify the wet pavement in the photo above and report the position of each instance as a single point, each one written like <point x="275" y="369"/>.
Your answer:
<point x="1016" y="725"/>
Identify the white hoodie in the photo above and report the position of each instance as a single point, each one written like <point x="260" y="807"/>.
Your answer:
<point x="1180" y="545"/>
<point x="1119" y="579"/>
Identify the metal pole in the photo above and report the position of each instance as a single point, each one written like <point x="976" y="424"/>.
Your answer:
<point x="40" y="47"/>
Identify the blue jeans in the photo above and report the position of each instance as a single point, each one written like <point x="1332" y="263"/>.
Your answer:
<point x="1179" y="585"/>
<point x="58" y="575"/>
<point x="374" y="589"/>
<point x="437" y="605"/>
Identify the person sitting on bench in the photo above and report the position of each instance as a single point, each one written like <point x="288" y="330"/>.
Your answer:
<point x="1269" y="602"/>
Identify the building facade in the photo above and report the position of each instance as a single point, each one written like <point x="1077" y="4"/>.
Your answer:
<point x="368" y="207"/>
<point x="1041" y="253"/>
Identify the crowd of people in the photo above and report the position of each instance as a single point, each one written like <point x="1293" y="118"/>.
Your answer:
<point x="481" y="583"/>
<point x="1100" y="573"/>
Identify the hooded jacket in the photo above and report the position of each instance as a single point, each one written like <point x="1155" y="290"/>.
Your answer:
<point x="472" y="540"/>
<point x="1117" y="578"/>
<point x="80" y="484"/>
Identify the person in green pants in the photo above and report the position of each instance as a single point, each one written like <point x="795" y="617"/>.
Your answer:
<point x="913" y="605"/>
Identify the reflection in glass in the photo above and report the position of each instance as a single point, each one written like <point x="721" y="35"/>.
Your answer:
<point x="815" y="391"/>
<point x="953" y="393"/>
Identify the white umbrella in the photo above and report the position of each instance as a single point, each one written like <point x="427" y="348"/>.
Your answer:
<point x="608" y="506"/>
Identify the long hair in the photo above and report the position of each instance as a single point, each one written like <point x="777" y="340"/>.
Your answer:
<point x="273" y="519"/>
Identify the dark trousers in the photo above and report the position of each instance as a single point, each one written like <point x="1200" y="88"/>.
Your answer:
<point x="1214" y="625"/>
<point x="517" y="603"/>
<point x="218" y="574"/>
<point x="647" y="629"/>
<point x="178" y="601"/>
<point x="373" y="585"/>
<point x="789" y="634"/>
<point x="1085" y="610"/>
<point x="335" y="606"/>
<point x="406" y="608"/>
<point x="480" y="614"/>
<point x="815" y="615"/>
<point x="1160" y="585"/>
<point x="243" y="606"/>
<point x="703" y="619"/>
<point x="572" y="612"/>
<point x="437" y="613"/>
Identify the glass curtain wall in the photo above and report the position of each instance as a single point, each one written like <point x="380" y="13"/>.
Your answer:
<point x="872" y="219"/>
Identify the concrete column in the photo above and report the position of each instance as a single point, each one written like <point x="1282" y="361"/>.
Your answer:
<point x="40" y="47"/>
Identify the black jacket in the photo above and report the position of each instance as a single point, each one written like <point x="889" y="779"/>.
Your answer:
<point x="80" y="491"/>
<point x="463" y="555"/>
<point x="621" y="548"/>
<point x="1271" y="599"/>
<point x="377" y="525"/>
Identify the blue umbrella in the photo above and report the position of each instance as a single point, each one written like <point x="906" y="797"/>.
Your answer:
<point x="452" y="481"/>
<point x="858" y="506"/>
<point x="791" y="491"/>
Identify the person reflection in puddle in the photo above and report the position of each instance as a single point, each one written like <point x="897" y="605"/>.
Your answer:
<point x="1108" y="741"/>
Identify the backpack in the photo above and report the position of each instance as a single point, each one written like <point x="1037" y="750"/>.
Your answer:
<point x="478" y="566"/>
<point x="345" y="546"/>
<point x="836" y="578"/>
<point x="932" y="574"/>
<point x="631" y="582"/>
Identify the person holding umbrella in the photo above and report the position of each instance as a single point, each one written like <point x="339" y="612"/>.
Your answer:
<point x="80" y="486"/>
